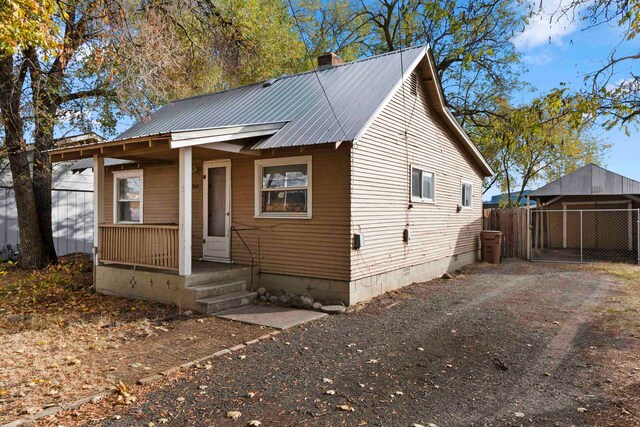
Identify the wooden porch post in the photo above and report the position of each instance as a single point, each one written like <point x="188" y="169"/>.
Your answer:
<point x="98" y="204"/>
<point x="184" y="232"/>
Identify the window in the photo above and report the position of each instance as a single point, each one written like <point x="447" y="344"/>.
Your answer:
<point x="127" y="192"/>
<point x="423" y="185"/>
<point x="467" y="194"/>
<point x="283" y="187"/>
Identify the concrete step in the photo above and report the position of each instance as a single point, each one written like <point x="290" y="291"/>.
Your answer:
<point x="225" y="302"/>
<point x="221" y="276"/>
<point x="217" y="289"/>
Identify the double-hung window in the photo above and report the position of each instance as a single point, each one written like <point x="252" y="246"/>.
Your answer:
<point x="467" y="194"/>
<point x="283" y="187"/>
<point x="127" y="192"/>
<point x="423" y="185"/>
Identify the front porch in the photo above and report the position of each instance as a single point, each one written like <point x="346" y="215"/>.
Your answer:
<point x="163" y="217"/>
<point x="211" y="286"/>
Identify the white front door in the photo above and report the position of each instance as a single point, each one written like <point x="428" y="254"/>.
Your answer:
<point x="216" y="188"/>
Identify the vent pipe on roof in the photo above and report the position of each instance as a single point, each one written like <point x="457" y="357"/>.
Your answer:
<point x="328" y="60"/>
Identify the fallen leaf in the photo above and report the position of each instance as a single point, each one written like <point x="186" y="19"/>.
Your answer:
<point x="582" y="410"/>
<point x="345" y="408"/>
<point x="371" y="361"/>
<point x="327" y="380"/>
<point x="519" y="414"/>
<point x="330" y="392"/>
<point x="234" y="415"/>
<point x="254" y="423"/>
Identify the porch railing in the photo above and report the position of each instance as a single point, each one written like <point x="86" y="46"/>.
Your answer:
<point x="140" y="244"/>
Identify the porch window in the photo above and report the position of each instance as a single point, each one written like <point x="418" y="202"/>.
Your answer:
<point x="283" y="187"/>
<point x="423" y="185"/>
<point x="127" y="204"/>
<point x="467" y="194"/>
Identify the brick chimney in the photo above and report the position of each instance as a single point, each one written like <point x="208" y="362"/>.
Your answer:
<point x="328" y="60"/>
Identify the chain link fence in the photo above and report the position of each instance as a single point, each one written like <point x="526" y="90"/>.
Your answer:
<point x="585" y="235"/>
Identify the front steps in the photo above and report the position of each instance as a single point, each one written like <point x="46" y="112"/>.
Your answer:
<point x="215" y="291"/>
<point x="226" y="301"/>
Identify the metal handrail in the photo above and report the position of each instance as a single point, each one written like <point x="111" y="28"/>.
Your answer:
<point x="233" y="228"/>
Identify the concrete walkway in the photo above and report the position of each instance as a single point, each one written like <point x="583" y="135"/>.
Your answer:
<point x="271" y="316"/>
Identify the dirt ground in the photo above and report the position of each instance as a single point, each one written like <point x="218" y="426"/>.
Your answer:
<point x="75" y="343"/>
<point x="509" y="345"/>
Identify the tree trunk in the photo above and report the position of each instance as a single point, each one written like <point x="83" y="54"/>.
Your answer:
<point x="32" y="254"/>
<point x="42" y="195"/>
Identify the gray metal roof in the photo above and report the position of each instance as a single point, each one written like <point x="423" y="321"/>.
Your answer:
<point x="356" y="90"/>
<point x="589" y="180"/>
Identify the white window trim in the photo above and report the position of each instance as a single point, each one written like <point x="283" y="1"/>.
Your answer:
<point x="435" y="184"/>
<point x="259" y="164"/>
<point x="463" y="182"/>
<point x="133" y="173"/>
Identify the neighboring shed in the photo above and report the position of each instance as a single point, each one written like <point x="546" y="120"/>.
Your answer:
<point x="591" y="214"/>
<point x="72" y="210"/>
<point x="71" y="197"/>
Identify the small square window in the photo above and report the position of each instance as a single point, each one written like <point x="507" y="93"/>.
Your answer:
<point x="283" y="187"/>
<point x="467" y="194"/>
<point x="423" y="185"/>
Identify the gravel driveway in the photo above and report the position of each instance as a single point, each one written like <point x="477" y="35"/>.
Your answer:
<point x="506" y="345"/>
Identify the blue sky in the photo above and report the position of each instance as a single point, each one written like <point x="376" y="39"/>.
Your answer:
<point x="561" y="50"/>
<point x="565" y="51"/>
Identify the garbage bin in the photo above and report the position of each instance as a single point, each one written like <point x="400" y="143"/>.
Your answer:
<point x="491" y="246"/>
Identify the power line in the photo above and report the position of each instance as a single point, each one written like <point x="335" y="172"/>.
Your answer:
<point x="315" y="70"/>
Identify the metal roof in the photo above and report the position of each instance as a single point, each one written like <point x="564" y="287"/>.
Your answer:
<point x="589" y="180"/>
<point x="355" y="91"/>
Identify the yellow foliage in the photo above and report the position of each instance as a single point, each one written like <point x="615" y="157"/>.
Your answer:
<point x="27" y="22"/>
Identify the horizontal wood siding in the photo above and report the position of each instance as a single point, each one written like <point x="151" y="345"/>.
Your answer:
<point x="317" y="247"/>
<point x="160" y="198"/>
<point x="380" y="191"/>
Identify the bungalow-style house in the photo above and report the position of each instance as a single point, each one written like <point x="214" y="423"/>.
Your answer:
<point x="344" y="182"/>
<point x="591" y="214"/>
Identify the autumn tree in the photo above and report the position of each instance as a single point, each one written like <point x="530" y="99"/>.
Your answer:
<point x="612" y="96"/>
<point x="83" y="64"/>
<point x="472" y="44"/>
<point x="535" y="142"/>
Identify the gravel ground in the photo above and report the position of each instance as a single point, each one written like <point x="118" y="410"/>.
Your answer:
<point x="510" y="345"/>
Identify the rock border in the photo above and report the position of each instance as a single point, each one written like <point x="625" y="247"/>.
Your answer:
<point x="94" y="398"/>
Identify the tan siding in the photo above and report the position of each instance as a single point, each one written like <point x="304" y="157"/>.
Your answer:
<point x="380" y="191"/>
<point x="318" y="247"/>
<point x="160" y="198"/>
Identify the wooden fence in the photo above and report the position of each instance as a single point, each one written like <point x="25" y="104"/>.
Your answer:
<point x="514" y="226"/>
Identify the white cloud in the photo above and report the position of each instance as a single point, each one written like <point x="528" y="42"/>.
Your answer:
<point x="546" y="26"/>
<point x="542" y="58"/>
